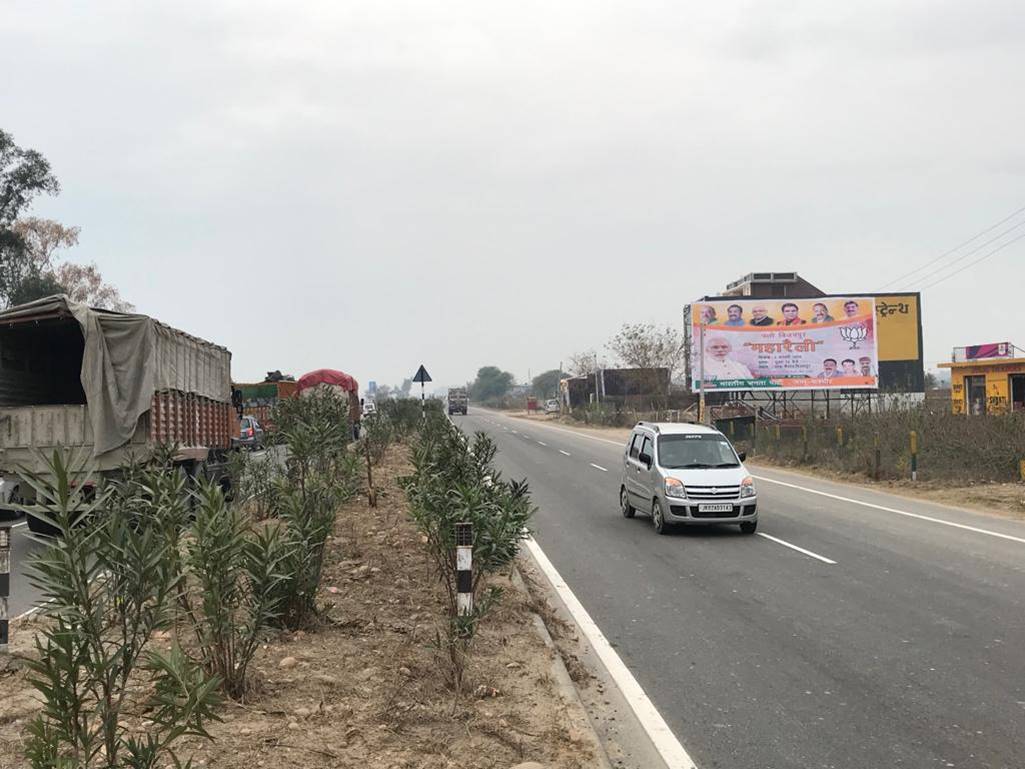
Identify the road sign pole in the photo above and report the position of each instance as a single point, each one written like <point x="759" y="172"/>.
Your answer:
<point x="422" y="377"/>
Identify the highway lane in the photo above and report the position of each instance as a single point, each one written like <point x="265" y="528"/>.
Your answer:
<point x="906" y="651"/>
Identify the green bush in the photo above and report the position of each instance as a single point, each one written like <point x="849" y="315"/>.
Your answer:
<point x="233" y="574"/>
<point x="455" y="482"/>
<point x="108" y="580"/>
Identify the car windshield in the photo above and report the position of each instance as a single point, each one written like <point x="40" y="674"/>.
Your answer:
<point x="699" y="451"/>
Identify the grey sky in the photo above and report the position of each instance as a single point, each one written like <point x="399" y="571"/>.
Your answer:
<point x="372" y="185"/>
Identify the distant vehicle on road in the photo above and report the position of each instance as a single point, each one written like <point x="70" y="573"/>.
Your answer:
<point x="552" y="406"/>
<point x="686" y="474"/>
<point x="250" y="435"/>
<point x="369" y="409"/>
<point x="458" y="400"/>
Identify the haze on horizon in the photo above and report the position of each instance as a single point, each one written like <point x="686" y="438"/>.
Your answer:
<point x="371" y="186"/>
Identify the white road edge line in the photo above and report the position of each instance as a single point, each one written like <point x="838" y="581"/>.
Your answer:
<point x="16" y="525"/>
<point x="541" y="443"/>
<point x="565" y="452"/>
<point x="792" y="546"/>
<point x="894" y="510"/>
<point x="662" y="737"/>
<point x="603" y="469"/>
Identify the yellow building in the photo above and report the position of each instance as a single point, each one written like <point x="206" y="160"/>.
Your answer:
<point x="986" y="385"/>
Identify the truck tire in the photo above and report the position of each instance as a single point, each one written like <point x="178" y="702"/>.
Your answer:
<point x="41" y="527"/>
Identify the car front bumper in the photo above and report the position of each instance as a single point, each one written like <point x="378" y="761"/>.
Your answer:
<point x="686" y="511"/>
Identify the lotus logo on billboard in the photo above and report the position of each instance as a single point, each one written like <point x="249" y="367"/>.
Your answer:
<point x="854" y="334"/>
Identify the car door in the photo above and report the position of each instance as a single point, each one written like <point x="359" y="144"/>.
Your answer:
<point x="633" y="447"/>
<point x="644" y="474"/>
<point x="633" y="470"/>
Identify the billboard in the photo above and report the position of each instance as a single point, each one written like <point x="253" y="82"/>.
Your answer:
<point x="983" y="351"/>
<point x="785" y="344"/>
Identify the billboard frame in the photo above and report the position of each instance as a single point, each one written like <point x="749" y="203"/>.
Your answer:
<point x="782" y="404"/>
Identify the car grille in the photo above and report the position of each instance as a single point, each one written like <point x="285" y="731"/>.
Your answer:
<point x="713" y="493"/>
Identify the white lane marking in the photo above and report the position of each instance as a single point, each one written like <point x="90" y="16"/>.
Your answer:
<point x="792" y="546"/>
<point x="620" y="444"/>
<point x="565" y="452"/>
<point x="23" y="523"/>
<point x="603" y="469"/>
<point x="894" y="510"/>
<point x="514" y="432"/>
<point x="665" y="742"/>
<point x="541" y="443"/>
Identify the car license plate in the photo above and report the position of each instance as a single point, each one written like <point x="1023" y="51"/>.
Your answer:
<point x="715" y="508"/>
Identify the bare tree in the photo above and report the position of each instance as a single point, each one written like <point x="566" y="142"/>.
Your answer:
<point x="645" y="345"/>
<point x="581" y="363"/>
<point x="43" y="238"/>
<point x="84" y="283"/>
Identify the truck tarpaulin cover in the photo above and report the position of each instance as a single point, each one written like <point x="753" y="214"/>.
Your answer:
<point x="327" y="376"/>
<point x="129" y="357"/>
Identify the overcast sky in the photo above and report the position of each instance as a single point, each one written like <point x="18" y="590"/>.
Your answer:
<point x="368" y="186"/>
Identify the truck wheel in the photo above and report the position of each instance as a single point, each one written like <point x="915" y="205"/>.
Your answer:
<point x="748" y="527"/>
<point x="41" y="527"/>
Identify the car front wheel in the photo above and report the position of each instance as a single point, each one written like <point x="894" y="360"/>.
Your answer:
<point x="658" y="520"/>
<point x="748" y="527"/>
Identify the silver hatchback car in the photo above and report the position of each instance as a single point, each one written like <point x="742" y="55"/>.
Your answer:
<point x="686" y="474"/>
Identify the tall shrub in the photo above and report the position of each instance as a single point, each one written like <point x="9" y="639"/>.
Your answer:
<point x="455" y="482"/>
<point x="108" y="579"/>
<point x="233" y="571"/>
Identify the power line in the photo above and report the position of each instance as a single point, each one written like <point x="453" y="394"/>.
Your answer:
<point x="982" y="258"/>
<point x="958" y="247"/>
<point x="966" y="254"/>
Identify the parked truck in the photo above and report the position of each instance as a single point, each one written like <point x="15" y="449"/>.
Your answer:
<point x="458" y="400"/>
<point x="258" y="399"/>
<point x="109" y="385"/>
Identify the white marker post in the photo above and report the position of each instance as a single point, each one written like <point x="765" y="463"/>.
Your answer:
<point x="464" y="569"/>
<point x="5" y="584"/>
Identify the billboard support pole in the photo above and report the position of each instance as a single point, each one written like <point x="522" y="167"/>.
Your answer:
<point x="701" y="369"/>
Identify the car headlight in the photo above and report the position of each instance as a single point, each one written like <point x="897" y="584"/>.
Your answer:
<point x="674" y="488"/>
<point x="747" y="487"/>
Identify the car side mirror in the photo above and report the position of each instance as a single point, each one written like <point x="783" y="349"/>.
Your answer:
<point x="742" y="455"/>
<point x="645" y="460"/>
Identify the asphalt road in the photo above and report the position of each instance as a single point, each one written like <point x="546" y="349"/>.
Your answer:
<point x="896" y="640"/>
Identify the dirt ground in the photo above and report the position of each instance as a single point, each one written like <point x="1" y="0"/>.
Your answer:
<point x="1006" y="500"/>
<point x="366" y="689"/>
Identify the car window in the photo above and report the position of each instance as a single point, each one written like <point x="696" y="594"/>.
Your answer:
<point x="646" y="446"/>
<point x="697" y="450"/>
<point x="635" y="445"/>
